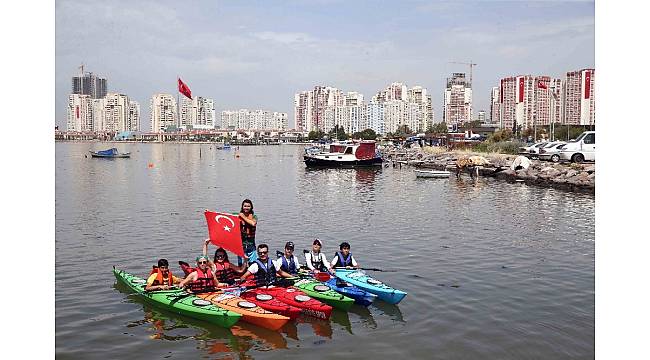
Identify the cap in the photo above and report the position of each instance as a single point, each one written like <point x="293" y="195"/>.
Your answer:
<point x="289" y="245"/>
<point x="317" y="241"/>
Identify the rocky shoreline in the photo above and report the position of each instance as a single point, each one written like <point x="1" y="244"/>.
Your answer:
<point x="565" y="176"/>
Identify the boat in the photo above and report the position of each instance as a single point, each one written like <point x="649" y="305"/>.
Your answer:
<point x="360" y="296"/>
<point x="365" y="282"/>
<point x="179" y="301"/>
<point x="432" y="173"/>
<point x="324" y="293"/>
<point x="294" y="297"/>
<point x="361" y="153"/>
<point x="110" y="153"/>
<point x="271" y="303"/>
<point x="250" y="312"/>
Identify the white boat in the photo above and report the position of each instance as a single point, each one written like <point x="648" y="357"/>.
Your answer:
<point x="362" y="153"/>
<point x="432" y="173"/>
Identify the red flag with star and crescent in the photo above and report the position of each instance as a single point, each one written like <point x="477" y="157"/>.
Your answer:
<point x="184" y="89"/>
<point x="224" y="231"/>
<point x="541" y="85"/>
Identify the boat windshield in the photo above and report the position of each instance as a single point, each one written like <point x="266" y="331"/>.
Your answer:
<point x="348" y="150"/>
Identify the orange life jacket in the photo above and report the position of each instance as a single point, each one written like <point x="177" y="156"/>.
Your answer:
<point x="159" y="278"/>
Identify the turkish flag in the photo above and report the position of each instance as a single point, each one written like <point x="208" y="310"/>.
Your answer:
<point x="541" y="85"/>
<point x="184" y="89"/>
<point x="224" y="231"/>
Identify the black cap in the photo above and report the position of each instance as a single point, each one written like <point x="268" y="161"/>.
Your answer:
<point x="289" y="245"/>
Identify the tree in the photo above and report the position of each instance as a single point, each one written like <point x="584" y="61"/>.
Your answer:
<point x="403" y="131"/>
<point x="439" y="128"/>
<point x="475" y="123"/>
<point x="338" y="133"/>
<point x="573" y="131"/>
<point x="315" y="135"/>
<point x="367" y="134"/>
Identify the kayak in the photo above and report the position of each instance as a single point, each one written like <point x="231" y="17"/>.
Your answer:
<point x="367" y="283"/>
<point x="251" y="313"/>
<point x="270" y="303"/>
<point x="295" y="297"/>
<point x="179" y="301"/>
<point x="360" y="296"/>
<point x="324" y="293"/>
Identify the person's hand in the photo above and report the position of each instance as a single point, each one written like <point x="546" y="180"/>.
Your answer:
<point x="207" y="241"/>
<point x="241" y="215"/>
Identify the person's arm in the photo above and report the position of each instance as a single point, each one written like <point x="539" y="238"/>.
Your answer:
<point x="189" y="278"/>
<point x="308" y="260"/>
<point x="295" y="259"/>
<point x="354" y="263"/>
<point x="325" y="262"/>
<point x="151" y="287"/>
<point x="335" y="260"/>
<point x="251" y="222"/>
<point x="283" y="273"/>
<point x="251" y="270"/>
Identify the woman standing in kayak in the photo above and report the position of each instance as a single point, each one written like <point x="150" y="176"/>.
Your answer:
<point x="317" y="260"/>
<point x="221" y="266"/>
<point x="247" y="227"/>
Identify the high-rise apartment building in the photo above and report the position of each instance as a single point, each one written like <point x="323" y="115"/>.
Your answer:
<point x="163" y="112"/>
<point x="89" y="84"/>
<point x="375" y="117"/>
<point x="457" y="100"/>
<point x="80" y="113"/>
<point x="197" y="112"/>
<point x="98" y="114"/>
<point x="527" y="100"/>
<point x="495" y="106"/>
<point x="481" y="116"/>
<point x="579" y="101"/>
<point x="133" y="119"/>
<point x="245" y="119"/>
<point x="557" y="101"/>
<point x="316" y="109"/>
<point x="116" y="112"/>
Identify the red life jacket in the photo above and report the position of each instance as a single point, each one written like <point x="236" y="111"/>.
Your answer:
<point x="225" y="273"/>
<point x="159" y="277"/>
<point x="204" y="282"/>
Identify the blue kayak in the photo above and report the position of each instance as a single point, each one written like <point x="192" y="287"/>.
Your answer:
<point x="360" y="296"/>
<point x="369" y="284"/>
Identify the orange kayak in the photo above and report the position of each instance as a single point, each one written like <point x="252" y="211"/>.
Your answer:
<point x="250" y="312"/>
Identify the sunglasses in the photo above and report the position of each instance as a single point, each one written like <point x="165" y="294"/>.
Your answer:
<point x="163" y="267"/>
<point x="220" y="256"/>
<point x="263" y="252"/>
<point x="203" y="262"/>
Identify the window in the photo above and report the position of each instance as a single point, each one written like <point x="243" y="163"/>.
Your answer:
<point x="590" y="139"/>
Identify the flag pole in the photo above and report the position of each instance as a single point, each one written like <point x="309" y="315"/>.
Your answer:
<point x="178" y="102"/>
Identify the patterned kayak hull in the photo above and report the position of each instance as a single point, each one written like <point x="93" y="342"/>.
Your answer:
<point x="372" y="285"/>
<point x="251" y="313"/>
<point x="324" y="293"/>
<point x="179" y="301"/>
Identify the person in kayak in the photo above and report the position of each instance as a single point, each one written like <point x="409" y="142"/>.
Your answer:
<point x="288" y="262"/>
<point x="247" y="227"/>
<point x="221" y="266"/>
<point x="263" y="268"/>
<point x="202" y="279"/>
<point x="317" y="260"/>
<point x="161" y="278"/>
<point x="343" y="258"/>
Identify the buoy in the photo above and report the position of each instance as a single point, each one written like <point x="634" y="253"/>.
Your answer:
<point x="150" y="165"/>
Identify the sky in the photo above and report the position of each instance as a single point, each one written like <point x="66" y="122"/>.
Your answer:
<point x="258" y="54"/>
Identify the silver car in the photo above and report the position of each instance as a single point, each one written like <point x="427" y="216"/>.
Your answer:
<point x="532" y="150"/>
<point x="551" y="151"/>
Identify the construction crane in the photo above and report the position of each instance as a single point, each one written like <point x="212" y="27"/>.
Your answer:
<point x="471" y="67"/>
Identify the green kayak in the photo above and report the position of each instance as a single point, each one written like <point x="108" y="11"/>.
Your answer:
<point x="179" y="301"/>
<point x="324" y="293"/>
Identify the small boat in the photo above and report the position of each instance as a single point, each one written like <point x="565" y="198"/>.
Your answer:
<point x="362" y="153"/>
<point x="251" y="313"/>
<point x="365" y="282"/>
<point x="110" y="153"/>
<point x="324" y="293"/>
<point x="432" y="173"/>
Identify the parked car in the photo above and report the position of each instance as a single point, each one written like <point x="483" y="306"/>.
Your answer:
<point x="551" y="151"/>
<point x="583" y="148"/>
<point x="532" y="150"/>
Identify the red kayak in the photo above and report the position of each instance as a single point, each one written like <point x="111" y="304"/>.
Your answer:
<point x="270" y="303"/>
<point x="291" y="296"/>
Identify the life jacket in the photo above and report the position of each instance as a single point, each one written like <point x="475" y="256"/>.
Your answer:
<point x="317" y="264"/>
<point x="265" y="274"/>
<point x="247" y="234"/>
<point x="204" y="282"/>
<point x="289" y="266"/>
<point x="159" y="277"/>
<point x="225" y="273"/>
<point x="343" y="261"/>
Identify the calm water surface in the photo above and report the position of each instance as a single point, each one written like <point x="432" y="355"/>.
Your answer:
<point x="493" y="270"/>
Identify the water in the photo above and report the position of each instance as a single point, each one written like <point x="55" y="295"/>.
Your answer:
<point x="493" y="270"/>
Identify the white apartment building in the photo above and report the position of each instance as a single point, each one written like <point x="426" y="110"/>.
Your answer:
<point x="98" y="106"/>
<point x="310" y="108"/>
<point x="495" y="105"/>
<point x="579" y="100"/>
<point x="527" y="100"/>
<point x="80" y="113"/>
<point x="163" y="112"/>
<point x="375" y="117"/>
<point x="116" y="112"/>
<point x="245" y="119"/>
<point x="457" y="100"/>
<point x="133" y="119"/>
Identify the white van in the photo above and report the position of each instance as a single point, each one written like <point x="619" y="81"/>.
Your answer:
<point x="583" y="148"/>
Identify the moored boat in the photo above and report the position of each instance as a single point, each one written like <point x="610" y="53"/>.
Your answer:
<point x="360" y="296"/>
<point x="365" y="282"/>
<point x="294" y="297"/>
<point x="432" y="173"/>
<point x="179" y="301"/>
<point x="362" y="153"/>
<point x="324" y="293"/>
<point x="110" y="153"/>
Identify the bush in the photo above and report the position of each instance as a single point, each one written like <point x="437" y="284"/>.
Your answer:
<point x="502" y="147"/>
